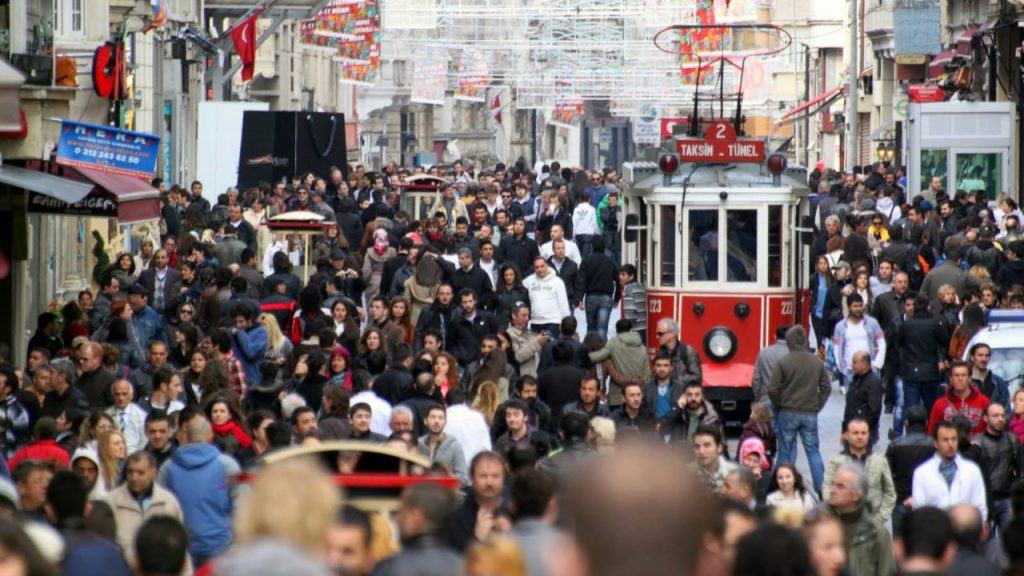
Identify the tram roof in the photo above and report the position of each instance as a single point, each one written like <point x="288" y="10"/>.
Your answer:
<point x="645" y="177"/>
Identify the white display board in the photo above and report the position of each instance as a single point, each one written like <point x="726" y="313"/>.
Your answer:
<point x="220" y="137"/>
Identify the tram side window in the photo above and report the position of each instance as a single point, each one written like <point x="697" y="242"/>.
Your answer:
<point x="741" y="254"/>
<point x="703" y="238"/>
<point x="668" y="246"/>
<point x="775" y="246"/>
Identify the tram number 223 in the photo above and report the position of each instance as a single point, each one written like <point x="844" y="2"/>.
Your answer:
<point x="654" y="306"/>
<point x="787" y="308"/>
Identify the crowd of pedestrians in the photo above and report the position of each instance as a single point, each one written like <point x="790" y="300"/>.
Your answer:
<point x="134" y="432"/>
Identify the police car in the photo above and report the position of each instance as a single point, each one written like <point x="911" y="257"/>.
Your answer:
<point x="1005" y="336"/>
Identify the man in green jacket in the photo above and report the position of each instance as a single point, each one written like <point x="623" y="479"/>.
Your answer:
<point x="881" y="496"/>
<point x="867" y="542"/>
<point x="629" y="361"/>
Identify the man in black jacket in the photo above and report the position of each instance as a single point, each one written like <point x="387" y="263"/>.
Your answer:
<point x="519" y="249"/>
<point x="596" y="282"/>
<point x="923" y="344"/>
<point x="538" y="412"/>
<point x="567" y="270"/>
<point x="437" y="316"/>
<point x="469" y="328"/>
<point x="469" y="276"/>
<point x="864" y="397"/>
<point x="905" y="454"/>
<point x="1006" y="461"/>
<point x="560" y="384"/>
<point x="888" y="310"/>
<point x="425" y="510"/>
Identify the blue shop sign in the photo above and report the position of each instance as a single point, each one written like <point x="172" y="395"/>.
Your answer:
<point x="108" y="149"/>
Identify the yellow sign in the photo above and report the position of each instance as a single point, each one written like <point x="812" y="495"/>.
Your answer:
<point x="911" y="58"/>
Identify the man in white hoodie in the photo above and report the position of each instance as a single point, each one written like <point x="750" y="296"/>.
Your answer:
<point x="548" y="301"/>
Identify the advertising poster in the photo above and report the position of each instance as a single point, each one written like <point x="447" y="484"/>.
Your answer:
<point x="430" y="77"/>
<point x="350" y="30"/>
<point x="568" y="111"/>
<point x="474" y="76"/>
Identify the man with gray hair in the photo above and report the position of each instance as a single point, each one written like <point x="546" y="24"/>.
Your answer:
<point x="469" y="275"/>
<point x="685" y="361"/>
<point x="868" y="545"/>
<point x="201" y="478"/>
<point x="63" y="393"/>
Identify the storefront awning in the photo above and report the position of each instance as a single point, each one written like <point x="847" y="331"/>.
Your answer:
<point x="48" y="185"/>
<point x="812" y="105"/>
<point x="136" y="200"/>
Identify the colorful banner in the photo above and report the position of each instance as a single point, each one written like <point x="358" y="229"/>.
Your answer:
<point x="568" y="111"/>
<point x="474" y="76"/>
<point x="706" y="42"/>
<point x="430" y="77"/>
<point x="108" y="149"/>
<point x="350" y="29"/>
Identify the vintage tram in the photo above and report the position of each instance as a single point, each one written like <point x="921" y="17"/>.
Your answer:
<point x="714" y="231"/>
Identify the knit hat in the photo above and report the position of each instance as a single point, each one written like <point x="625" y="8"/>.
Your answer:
<point x="867" y="205"/>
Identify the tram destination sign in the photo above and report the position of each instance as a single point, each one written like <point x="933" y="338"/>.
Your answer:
<point x="720" y="144"/>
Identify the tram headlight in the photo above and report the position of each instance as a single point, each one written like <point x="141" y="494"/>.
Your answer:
<point x="720" y="344"/>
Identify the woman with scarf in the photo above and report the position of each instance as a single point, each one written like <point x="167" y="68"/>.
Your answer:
<point x="229" y="435"/>
<point x="373" y="263"/>
<point x="340" y="368"/>
<point x="421" y="289"/>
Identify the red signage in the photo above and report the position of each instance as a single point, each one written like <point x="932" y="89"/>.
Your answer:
<point x="720" y="144"/>
<point x="668" y="123"/>
<point x="926" y="93"/>
<point x="658" y="306"/>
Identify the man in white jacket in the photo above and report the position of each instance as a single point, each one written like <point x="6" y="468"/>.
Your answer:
<point x="947" y="479"/>
<point x="548" y="301"/>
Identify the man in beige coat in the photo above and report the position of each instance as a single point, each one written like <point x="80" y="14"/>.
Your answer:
<point x="138" y="499"/>
<point x="525" y="344"/>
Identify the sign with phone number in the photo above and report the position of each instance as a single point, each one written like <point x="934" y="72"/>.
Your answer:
<point x="108" y="149"/>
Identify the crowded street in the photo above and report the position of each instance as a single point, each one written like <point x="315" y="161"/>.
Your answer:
<point x="511" y="288"/>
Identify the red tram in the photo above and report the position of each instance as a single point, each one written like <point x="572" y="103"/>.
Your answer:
<point x="714" y="233"/>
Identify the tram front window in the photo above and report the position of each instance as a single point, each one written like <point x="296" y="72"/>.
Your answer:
<point x="741" y="256"/>
<point x="703" y="238"/>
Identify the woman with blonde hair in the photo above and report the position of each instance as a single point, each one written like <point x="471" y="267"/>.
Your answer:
<point x="96" y="424"/>
<point x="486" y="401"/>
<point x="113" y="451"/>
<point x="298" y="518"/>
<point x="603" y="430"/>
<point x="499" y="556"/>
<point x="279" y="347"/>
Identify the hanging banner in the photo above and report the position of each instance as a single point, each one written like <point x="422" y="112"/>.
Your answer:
<point x="703" y="41"/>
<point x="474" y="76"/>
<point x="349" y="29"/>
<point x="568" y="111"/>
<point x="430" y="77"/>
<point x="108" y="149"/>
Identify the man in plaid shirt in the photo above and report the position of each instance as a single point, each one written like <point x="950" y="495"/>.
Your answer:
<point x="222" y="343"/>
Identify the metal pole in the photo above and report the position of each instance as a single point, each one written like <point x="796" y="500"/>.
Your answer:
<point x="807" y="98"/>
<point x="851" y="96"/>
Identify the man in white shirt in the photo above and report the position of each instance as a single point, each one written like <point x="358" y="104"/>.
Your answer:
<point x="548" y="300"/>
<point x="947" y="479"/>
<point x="130" y="419"/>
<point x="466" y="425"/>
<point x="584" y="225"/>
<point x="572" y="251"/>
<point x="380" y="409"/>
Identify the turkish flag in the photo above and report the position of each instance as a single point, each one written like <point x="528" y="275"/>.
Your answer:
<point x="244" y="37"/>
<point x="496" y="109"/>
